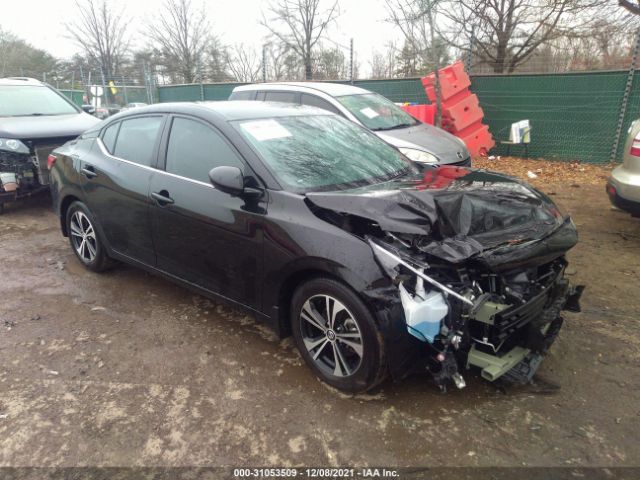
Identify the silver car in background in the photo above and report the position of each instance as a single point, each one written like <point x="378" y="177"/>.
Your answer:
<point x="419" y="141"/>
<point x="132" y="105"/>
<point x="623" y="186"/>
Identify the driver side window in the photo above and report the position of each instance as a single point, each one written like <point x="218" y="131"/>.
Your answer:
<point x="195" y="148"/>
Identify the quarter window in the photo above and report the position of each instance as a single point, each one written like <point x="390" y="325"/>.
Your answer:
<point x="137" y="138"/>
<point x="315" y="101"/>
<point x="243" y="95"/>
<point x="109" y="136"/>
<point x="194" y="149"/>
<point x="285" y="97"/>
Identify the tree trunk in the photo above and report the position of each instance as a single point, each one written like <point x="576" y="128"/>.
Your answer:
<point x="308" y="71"/>
<point x="501" y="56"/>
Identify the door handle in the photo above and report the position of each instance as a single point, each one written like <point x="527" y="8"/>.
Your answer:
<point x="89" y="171"/>
<point x="162" y="197"/>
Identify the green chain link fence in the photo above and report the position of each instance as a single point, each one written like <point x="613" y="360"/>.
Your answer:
<point x="74" y="95"/>
<point x="573" y="116"/>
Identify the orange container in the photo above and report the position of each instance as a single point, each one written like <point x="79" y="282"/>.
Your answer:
<point x="424" y="113"/>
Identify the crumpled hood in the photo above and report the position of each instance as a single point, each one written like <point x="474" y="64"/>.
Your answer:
<point x="456" y="213"/>
<point x="46" y="126"/>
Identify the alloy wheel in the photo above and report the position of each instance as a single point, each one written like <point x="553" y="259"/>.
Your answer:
<point x="331" y="335"/>
<point x="83" y="236"/>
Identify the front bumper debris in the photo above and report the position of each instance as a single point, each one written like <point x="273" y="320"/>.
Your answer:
<point x="501" y="323"/>
<point x="493" y="367"/>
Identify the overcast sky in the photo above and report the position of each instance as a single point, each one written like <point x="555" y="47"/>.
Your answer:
<point x="40" y="23"/>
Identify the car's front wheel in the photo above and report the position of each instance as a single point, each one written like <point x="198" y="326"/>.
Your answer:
<point x="84" y="238"/>
<point x="337" y="335"/>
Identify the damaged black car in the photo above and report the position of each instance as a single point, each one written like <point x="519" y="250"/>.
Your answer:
<point x="376" y="266"/>
<point x="34" y="119"/>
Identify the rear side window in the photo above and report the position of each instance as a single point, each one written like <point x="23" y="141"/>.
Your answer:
<point x="109" y="136"/>
<point x="137" y="138"/>
<point x="286" y="97"/>
<point x="243" y="95"/>
<point x="315" y="101"/>
<point x="195" y="148"/>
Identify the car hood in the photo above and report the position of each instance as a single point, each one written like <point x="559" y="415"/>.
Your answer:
<point x="429" y="138"/>
<point x="457" y="214"/>
<point x="46" y="126"/>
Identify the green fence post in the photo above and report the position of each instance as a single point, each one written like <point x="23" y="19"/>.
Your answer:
<point x="625" y="100"/>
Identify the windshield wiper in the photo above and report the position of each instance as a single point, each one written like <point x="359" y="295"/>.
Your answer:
<point x="399" y="125"/>
<point x="36" y="114"/>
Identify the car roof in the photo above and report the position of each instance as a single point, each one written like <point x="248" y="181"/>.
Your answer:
<point x="332" y="89"/>
<point x="232" y="110"/>
<point x="21" y="81"/>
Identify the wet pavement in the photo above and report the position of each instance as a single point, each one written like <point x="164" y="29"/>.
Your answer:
<point x="127" y="369"/>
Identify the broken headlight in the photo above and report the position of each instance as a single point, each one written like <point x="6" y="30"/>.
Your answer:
<point x="14" y="146"/>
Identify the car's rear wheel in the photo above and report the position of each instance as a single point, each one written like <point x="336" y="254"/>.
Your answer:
<point x="337" y="336"/>
<point x="85" y="239"/>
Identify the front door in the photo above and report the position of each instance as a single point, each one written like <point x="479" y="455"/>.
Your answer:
<point x="201" y="234"/>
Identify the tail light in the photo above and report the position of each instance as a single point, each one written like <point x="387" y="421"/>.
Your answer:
<point x="635" y="146"/>
<point x="51" y="159"/>
<point x="611" y="190"/>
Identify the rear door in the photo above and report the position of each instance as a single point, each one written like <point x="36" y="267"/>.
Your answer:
<point x="202" y="235"/>
<point x="116" y="176"/>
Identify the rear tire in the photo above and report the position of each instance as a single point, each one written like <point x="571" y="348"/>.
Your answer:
<point x="337" y="336"/>
<point x="85" y="240"/>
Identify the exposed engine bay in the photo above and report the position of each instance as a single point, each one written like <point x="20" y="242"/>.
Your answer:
<point x="22" y="167"/>
<point x="478" y="262"/>
<point x="23" y="172"/>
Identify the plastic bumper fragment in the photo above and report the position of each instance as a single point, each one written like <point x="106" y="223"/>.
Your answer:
<point x="494" y="367"/>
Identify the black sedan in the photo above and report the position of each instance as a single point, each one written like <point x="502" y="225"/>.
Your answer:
<point x="315" y="225"/>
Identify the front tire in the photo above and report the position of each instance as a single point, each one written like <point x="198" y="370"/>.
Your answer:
<point x="337" y="335"/>
<point x="84" y="238"/>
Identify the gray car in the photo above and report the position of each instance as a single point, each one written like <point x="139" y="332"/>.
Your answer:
<point x="419" y="141"/>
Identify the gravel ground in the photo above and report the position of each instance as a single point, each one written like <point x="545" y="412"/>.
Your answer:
<point x="126" y="369"/>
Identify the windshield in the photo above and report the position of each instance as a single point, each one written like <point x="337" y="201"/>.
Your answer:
<point x="322" y="152"/>
<point x="26" y="100"/>
<point x="376" y="112"/>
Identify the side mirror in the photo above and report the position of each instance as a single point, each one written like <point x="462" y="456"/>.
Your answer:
<point x="90" y="109"/>
<point x="228" y="180"/>
<point x="231" y="180"/>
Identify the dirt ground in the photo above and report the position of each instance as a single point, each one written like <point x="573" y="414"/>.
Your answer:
<point x="126" y="369"/>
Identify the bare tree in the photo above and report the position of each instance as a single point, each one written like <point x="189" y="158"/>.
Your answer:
<point x="329" y="64"/>
<point x="244" y="63"/>
<point x="299" y="24"/>
<point x="277" y="55"/>
<point x="505" y="33"/>
<point x="181" y="33"/>
<point x="19" y="58"/>
<point x="384" y="64"/>
<point x="102" y="33"/>
<point x="633" y="7"/>
<point x="607" y="44"/>
<point x="216" y="65"/>
<point x="416" y="19"/>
